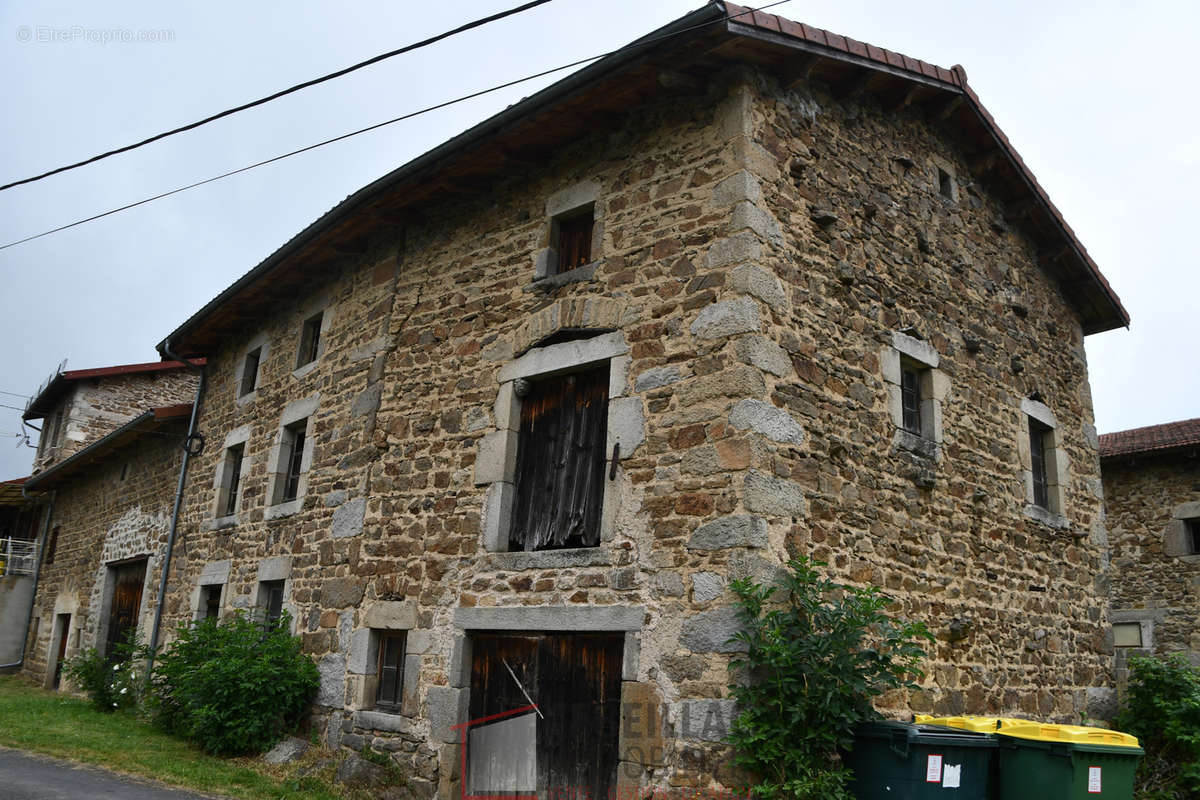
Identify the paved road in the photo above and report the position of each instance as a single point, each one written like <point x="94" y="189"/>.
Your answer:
<point x="27" y="777"/>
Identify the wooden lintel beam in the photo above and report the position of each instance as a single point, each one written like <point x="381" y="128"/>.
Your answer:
<point x="948" y="108"/>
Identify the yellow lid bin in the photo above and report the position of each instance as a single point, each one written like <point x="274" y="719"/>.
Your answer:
<point x="1039" y="731"/>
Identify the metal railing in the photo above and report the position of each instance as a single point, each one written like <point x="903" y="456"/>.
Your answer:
<point x="17" y="557"/>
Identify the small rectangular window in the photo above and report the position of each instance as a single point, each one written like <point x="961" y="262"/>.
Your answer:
<point x="51" y="546"/>
<point x="1127" y="634"/>
<point x="1038" y="433"/>
<point x="271" y="601"/>
<point x="1192" y="540"/>
<point x="250" y="372"/>
<point x="391" y="669"/>
<point x="310" y="340"/>
<point x="910" y="398"/>
<point x="210" y="601"/>
<point x="945" y="184"/>
<point x="574" y="239"/>
<point x="292" y="459"/>
<point x="234" y="457"/>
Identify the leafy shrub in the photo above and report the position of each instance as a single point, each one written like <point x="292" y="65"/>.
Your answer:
<point x="233" y="687"/>
<point x="813" y="664"/>
<point x="110" y="683"/>
<point x="1162" y="708"/>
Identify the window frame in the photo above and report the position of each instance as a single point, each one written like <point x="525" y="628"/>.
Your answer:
<point x="564" y="209"/>
<point x="383" y="639"/>
<point x="1039" y="425"/>
<point x="208" y="609"/>
<point x="1039" y="455"/>
<point x="909" y="359"/>
<point x="228" y="488"/>
<point x="235" y="457"/>
<point x="250" y="376"/>
<point x="268" y="590"/>
<point x="1127" y="626"/>
<point x="312" y="341"/>
<point x="299" y="415"/>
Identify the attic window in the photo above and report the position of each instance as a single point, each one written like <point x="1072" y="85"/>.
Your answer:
<point x="310" y="340"/>
<point x="250" y="370"/>
<point x="573" y="239"/>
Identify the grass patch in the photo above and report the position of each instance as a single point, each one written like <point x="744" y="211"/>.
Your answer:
<point x="55" y="724"/>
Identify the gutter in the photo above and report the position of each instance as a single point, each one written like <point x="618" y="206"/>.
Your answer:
<point x="192" y="445"/>
<point x="37" y="574"/>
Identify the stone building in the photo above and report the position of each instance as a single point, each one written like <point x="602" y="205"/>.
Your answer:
<point x="106" y="473"/>
<point x="1152" y="494"/>
<point x="500" y="427"/>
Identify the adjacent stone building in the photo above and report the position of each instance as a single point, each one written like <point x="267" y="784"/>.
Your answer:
<point x="501" y="427"/>
<point x="106" y="474"/>
<point x="1152" y="493"/>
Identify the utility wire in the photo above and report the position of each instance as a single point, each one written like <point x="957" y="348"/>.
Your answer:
<point x="14" y="408"/>
<point x="14" y="394"/>
<point x="230" y="111"/>
<point x="369" y="128"/>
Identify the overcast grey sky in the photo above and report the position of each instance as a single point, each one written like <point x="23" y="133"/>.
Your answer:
<point x="1096" y="96"/>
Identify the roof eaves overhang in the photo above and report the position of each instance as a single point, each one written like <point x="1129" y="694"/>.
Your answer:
<point x="149" y="421"/>
<point x="48" y="397"/>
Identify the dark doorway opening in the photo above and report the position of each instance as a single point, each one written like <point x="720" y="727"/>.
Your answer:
<point x="62" y="633"/>
<point x="575" y="682"/>
<point x="127" y="582"/>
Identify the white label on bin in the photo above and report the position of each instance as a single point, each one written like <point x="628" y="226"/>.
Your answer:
<point x="952" y="776"/>
<point x="1094" y="780"/>
<point x="933" y="769"/>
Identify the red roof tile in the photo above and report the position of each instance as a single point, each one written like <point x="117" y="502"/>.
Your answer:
<point x="1153" y="438"/>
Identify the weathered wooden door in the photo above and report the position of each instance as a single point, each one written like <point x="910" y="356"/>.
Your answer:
<point x="575" y="681"/>
<point x="128" y="580"/>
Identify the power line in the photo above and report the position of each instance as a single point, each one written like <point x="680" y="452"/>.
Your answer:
<point x="14" y="408"/>
<point x="230" y="111"/>
<point x="14" y="394"/>
<point x="369" y="128"/>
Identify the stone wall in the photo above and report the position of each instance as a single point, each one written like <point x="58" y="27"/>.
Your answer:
<point x="94" y="408"/>
<point x="118" y="510"/>
<point x="1155" y="578"/>
<point x="758" y="251"/>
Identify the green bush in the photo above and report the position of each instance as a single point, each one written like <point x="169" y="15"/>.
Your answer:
<point x="110" y="683"/>
<point x="1162" y="708"/>
<point x="233" y="687"/>
<point x="813" y="664"/>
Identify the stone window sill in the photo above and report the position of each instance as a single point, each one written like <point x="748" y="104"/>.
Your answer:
<point x="285" y="509"/>
<point x="578" y="275"/>
<point x="548" y="559"/>
<point x="247" y="398"/>
<point x="221" y="523"/>
<point x="300" y="372"/>
<point x="389" y="720"/>
<point x="916" y="444"/>
<point x="1047" y="517"/>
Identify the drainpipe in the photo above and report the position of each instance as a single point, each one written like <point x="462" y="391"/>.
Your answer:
<point x="188" y="451"/>
<point x="37" y="572"/>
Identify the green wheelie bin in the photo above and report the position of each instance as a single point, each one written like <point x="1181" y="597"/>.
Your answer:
<point x="1042" y="761"/>
<point x="906" y="761"/>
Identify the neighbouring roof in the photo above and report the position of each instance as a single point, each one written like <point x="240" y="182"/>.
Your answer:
<point x="673" y="59"/>
<point x="11" y="494"/>
<point x="1151" y="439"/>
<point x="148" y="422"/>
<point x="49" y="395"/>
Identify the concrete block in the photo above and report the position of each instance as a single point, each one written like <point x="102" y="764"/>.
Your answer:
<point x="392" y="615"/>
<point x="410" y="692"/>
<point x="727" y="318"/>
<point x="704" y="720"/>
<point x="761" y="352"/>
<point x="551" y="618"/>
<point x="1039" y="411"/>
<point x="277" y="568"/>
<point x="348" y="519"/>
<point x="739" y="530"/>
<point x="496" y="457"/>
<point x="214" y="572"/>
<point x="712" y="631"/>
<point x="626" y="426"/>
<point x="572" y="197"/>
<point x="460" y="662"/>
<point x="565" y="356"/>
<point x="631" y="655"/>
<point x="444" y="708"/>
<point x="507" y="408"/>
<point x="332" y="670"/>
<point x="358" y="659"/>
<point x="767" y="420"/>
<point x="739" y="187"/>
<point x="420" y="642"/>
<point x="916" y="349"/>
<point x="766" y="494"/>
<point x="753" y="280"/>
<point x="735" y="114"/>
<point x="656" y="378"/>
<point x="735" y="249"/>
<point x="618" y="376"/>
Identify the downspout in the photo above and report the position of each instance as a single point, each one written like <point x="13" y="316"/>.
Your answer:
<point x="188" y="452"/>
<point x="37" y="573"/>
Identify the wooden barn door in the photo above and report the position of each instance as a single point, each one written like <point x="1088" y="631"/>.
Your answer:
<point x="575" y="681"/>
<point x="128" y="580"/>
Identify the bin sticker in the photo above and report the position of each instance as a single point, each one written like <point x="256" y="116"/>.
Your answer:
<point x="952" y="776"/>
<point x="1094" y="780"/>
<point x="933" y="769"/>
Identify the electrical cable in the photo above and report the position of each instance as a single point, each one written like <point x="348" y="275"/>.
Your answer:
<point x="230" y="111"/>
<point x="367" y="129"/>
